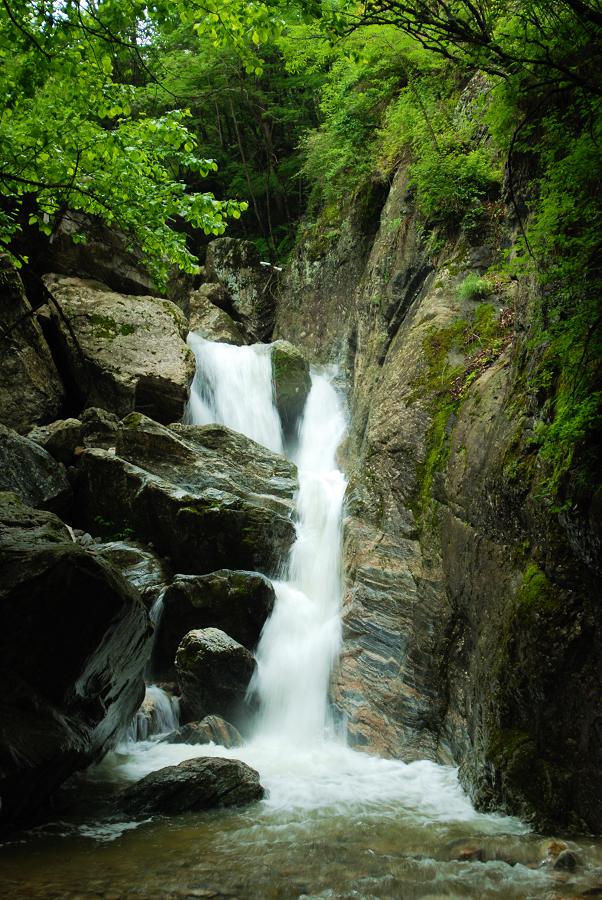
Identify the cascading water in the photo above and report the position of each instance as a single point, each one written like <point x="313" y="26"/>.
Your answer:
<point x="233" y="386"/>
<point x="301" y="640"/>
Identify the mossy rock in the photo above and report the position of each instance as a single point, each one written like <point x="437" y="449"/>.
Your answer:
<point x="292" y="383"/>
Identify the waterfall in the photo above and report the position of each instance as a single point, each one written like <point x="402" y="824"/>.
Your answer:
<point x="233" y="386"/>
<point x="301" y="641"/>
<point x="159" y="714"/>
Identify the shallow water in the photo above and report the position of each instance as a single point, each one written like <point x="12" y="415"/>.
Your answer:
<point x="335" y="824"/>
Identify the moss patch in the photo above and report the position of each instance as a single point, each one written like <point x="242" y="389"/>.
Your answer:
<point x="106" y="327"/>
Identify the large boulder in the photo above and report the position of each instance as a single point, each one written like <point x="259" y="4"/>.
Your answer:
<point x="236" y="265"/>
<point x="207" y="318"/>
<point x="32" y="390"/>
<point x="205" y="496"/>
<point x="32" y="473"/>
<point x="73" y="643"/>
<point x="212" y="730"/>
<point x="214" y="672"/>
<point x="60" y="438"/>
<point x="237" y="602"/>
<point x="130" y="353"/>
<point x="194" y="785"/>
<point x="292" y="383"/>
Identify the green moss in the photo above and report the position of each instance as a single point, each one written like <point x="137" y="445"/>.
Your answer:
<point x="536" y="594"/>
<point x="105" y="326"/>
<point x="133" y="420"/>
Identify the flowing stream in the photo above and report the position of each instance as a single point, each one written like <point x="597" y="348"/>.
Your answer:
<point x="335" y="823"/>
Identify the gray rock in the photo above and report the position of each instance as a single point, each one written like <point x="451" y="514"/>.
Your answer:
<point x="213" y="729"/>
<point x="208" y="319"/>
<point x="566" y="861"/>
<point x="32" y="390"/>
<point x="74" y="639"/>
<point x="235" y="264"/>
<point x="60" y="438"/>
<point x="99" y="428"/>
<point x="133" y="352"/>
<point x="214" y="672"/>
<point x="206" y="497"/>
<point x="236" y="602"/>
<point x="32" y="473"/>
<point x="292" y="383"/>
<point x="193" y="786"/>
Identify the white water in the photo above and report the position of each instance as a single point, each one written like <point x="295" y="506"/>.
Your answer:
<point x="303" y="763"/>
<point x="159" y="714"/>
<point x="233" y="386"/>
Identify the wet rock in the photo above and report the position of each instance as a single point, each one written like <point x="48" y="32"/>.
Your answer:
<point x="158" y="714"/>
<point x="32" y="473"/>
<point x="132" y="354"/>
<point x="212" y="729"/>
<point x="235" y="264"/>
<point x="32" y="390"/>
<point x="214" y="672"/>
<point x="566" y="861"/>
<point x="194" y="785"/>
<point x="208" y="319"/>
<point x="205" y="496"/>
<point x="73" y="643"/>
<point x="99" y="428"/>
<point x="236" y="602"/>
<point x="292" y="383"/>
<point x="59" y="438"/>
<point x="139" y="565"/>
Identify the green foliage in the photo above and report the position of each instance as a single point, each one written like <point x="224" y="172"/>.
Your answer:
<point x="474" y="287"/>
<point x="72" y="140"/>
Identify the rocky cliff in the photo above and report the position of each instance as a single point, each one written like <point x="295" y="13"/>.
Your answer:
<point x="471" y="611"/>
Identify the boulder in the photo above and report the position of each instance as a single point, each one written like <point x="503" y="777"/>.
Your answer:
<point x="32" y="473"/>
<point x="205" y="496"/>
<point x="292" y="383"/>
<point x="32" y="390"/>
<point x="214" y="672"/>
<point x="192" y="786"/>
<point x="212" y="730"/>
<point x="74" y="639"/>
<point x="237" y="602"/>
<point x="131" y="352"/>
<point x="236" y="265"/>
<point x="60" y="438"/>
<point x="99" y="428"/>
<point x="139" y="565"/>
<point x="208" y="319"/>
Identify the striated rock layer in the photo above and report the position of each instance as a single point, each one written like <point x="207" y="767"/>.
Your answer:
<point x="471" y="614"/>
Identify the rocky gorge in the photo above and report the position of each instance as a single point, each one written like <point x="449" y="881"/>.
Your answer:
<point x="470" y="604"/>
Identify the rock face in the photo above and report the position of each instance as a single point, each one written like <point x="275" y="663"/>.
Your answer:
<point x="236" y="602"/>
<point x="292" y="383"/>
<point x="235" y="264"/>
<point x="32" y="473"/>
<point x="32" y="390"/>
<point x="208" y="319"/>
<point x="213" y="729"/>
<point x="205" y="496"/>
<point x="132" y="353"/>
<point x="193" y="786"/>
<point x="73" y="644"/>
<point x="472" y="626"/>
<point x="214" y="672"/>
